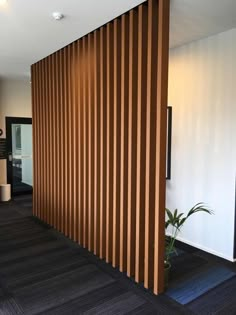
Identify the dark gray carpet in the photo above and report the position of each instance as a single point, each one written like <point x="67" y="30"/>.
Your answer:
<point x="42" y="272"/>
<point x="203" y="282"/>
<point x="220" y="301"/>
<point x="190" y="288"/>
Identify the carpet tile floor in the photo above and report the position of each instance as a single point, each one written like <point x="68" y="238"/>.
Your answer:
<point x="42" y="272"/>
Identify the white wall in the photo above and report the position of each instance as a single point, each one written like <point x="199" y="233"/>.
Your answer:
<point x="15" y="101"/>
<point x="202" y="93"/>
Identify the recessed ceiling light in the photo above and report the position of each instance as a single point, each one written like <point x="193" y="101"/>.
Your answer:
<point x="57" y="15"/>
<point x="3" y="2"/>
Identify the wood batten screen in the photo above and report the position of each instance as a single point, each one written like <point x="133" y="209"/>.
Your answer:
<point x="99" y="129"/>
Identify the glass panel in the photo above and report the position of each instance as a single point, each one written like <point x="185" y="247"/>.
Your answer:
<point x="22" y="157"/>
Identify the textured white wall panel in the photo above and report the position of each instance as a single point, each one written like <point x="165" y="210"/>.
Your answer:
<point x="202" y="92"/>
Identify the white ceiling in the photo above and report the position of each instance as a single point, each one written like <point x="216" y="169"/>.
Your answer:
<point x="194" y="19"/>
<point x="28" y="32"/>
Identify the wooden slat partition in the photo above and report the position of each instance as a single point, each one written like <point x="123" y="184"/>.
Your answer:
<point x="99" y="129"/>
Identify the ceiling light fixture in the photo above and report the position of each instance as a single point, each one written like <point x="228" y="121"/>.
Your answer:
<point x="57" y="15"/>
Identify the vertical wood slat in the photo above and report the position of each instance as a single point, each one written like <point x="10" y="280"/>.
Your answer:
<point x="42" y="144"/>
<point x="99" y="110"/>
<point x="115" y="222"/>
<point x="38" y="139"/>
<point x="89" y="140"/>
<point x="65" y="142"/>
<point x="102" y="144"/>
<point x="90" y="143"/>
<point x="150" y="150"/>
<point x="36" y="143"/>
<point x="93" y="140"/>
<point x="85" y="144"/>
<point x="138" y="237"/>
<point x="49" y="140"/>
<point x="60" y="98"/>
<point x="102" y="217"/>
<point x="65" y="125"/>
<point x="141" y="108"/>
<point x="46" y="214"/>
<point x="80" y="140"/>
<point x="45" y="178"/>
<point x="147" y="166"/>
<point x="108" y="28"/>
<point x="139" y="243"/>
<point x="132" y="159"/>
<point x="63" y="137"/>
<point x="129" y="211"/>
<point x="55" y="191"/>
<point x="77" y="184"/>
<point x="124" y="139"/>
<point x="70" y="127"/>
<point x="74" y="143"/>
<point x="69" y="144"/>
<point x="161" y="130"/>
<point x="43" y="200"/>
<point x="53" y="205"/>
<point x="96" y="145"/>
<point x="34" y="126"/>
<point x="71" y="147"/>
<point x="46" y="139"/>
<point x="52" y="102"/>
<point x="48" y="104"/>
<point x="109" y="153"/>
<point x="116" y="144"/>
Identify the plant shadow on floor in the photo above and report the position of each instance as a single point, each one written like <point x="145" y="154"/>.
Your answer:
<point x="184" y="262"/>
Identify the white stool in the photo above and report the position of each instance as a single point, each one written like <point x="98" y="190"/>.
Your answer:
<point x="5" y="192"/>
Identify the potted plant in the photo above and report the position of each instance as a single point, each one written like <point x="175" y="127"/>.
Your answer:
<point x="176" y="221"/>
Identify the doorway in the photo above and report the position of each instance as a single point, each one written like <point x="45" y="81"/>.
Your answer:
<point x="19" y="158"/>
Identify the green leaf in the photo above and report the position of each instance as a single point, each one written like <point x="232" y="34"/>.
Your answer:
<point x="181" y="222"/>
<point x="199" y="207"/>
<point x="179" y="216"/>
<point x="169" y="214"/>
<point x="175" y="214"/>
<point x="177" y="220"/>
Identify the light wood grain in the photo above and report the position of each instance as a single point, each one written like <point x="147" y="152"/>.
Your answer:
<point x="99" y="130"/>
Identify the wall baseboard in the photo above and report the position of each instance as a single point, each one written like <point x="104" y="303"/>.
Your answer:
<point x="205" y="249"/>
